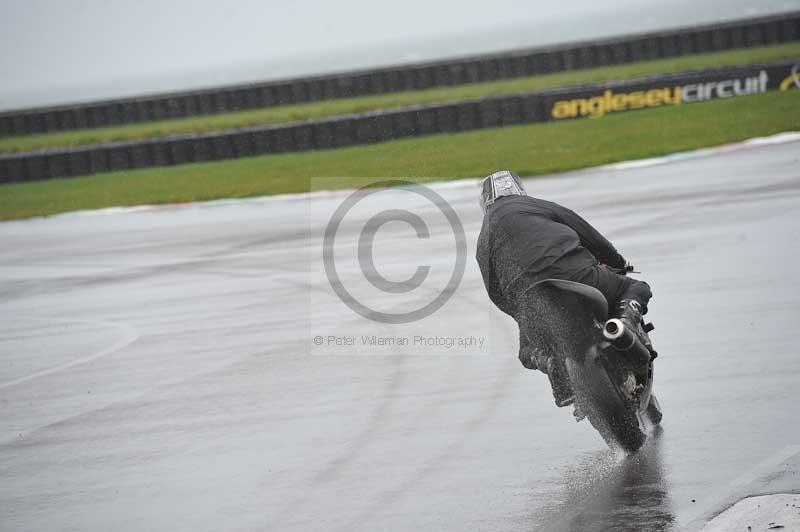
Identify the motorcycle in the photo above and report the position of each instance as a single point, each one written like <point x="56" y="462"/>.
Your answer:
<point x="609" y="368"/>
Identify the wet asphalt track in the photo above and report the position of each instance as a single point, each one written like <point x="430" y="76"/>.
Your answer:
<point x="158" y="369"/>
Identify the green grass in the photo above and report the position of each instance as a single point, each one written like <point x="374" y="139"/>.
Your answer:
<point x="530" y="150"/>
<point x="290" y="113"/>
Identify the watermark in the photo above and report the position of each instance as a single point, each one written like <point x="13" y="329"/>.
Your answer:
<point x="369" y="236"/>
<point x="417" y="341"/>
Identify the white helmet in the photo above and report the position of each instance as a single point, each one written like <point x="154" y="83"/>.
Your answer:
<point x="502" y="183"/>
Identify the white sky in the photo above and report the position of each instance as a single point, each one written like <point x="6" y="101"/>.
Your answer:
<point x="55" y="51"/>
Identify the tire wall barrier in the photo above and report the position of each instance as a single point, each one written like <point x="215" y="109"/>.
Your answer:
<point x="586" y="101"/>
<point x="701" y="39"/>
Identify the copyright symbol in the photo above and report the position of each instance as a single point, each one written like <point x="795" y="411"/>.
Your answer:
<point x="365" y="252"/>
<point x="318" y="340"/>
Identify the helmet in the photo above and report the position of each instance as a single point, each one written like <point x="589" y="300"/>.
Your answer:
<point x="502" y="183"/>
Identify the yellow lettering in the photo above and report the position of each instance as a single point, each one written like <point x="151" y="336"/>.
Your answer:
<point x="636" y="100"/>
<point x="607" y="100"/>
<point x="596" y="107"/>
<point x="562" y="109"/>
<point x="654" y="98"/>
<point x="619" y="102"/>
<point x="673" y="99"/>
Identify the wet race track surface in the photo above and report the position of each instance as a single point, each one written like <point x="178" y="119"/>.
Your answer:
<point x="159" y="370"/>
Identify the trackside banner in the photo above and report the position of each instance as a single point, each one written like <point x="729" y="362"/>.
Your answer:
<point x="661" y="91"/>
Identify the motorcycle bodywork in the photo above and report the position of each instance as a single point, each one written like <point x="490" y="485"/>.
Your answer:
<point x="613" y="387"/>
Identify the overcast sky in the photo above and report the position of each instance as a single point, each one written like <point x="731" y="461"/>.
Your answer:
<point x="54" y="51"/>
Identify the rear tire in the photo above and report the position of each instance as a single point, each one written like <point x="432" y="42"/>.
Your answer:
<point x="608" y="413"/>
<point x="619" y="429"/>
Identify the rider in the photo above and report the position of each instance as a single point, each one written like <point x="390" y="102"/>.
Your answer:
<point x="524" y="240"/>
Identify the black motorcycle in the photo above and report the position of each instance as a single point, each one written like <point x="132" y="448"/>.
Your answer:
<point x="609" y="368"/>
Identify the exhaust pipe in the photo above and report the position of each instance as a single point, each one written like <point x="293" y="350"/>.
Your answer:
<point x="625" y="340"/>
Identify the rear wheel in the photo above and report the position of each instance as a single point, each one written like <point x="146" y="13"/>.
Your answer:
<point x="619" y="428"/>
<point x="612" y="416"/>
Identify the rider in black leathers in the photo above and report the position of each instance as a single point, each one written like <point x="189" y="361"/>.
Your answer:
<point x="524" y="240"/>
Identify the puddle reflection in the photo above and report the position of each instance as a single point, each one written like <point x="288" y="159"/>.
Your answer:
<point x="610" y="491"/>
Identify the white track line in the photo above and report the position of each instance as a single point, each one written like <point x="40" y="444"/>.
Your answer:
<point x="780" y="138"/>
<point x="130" y="335"/>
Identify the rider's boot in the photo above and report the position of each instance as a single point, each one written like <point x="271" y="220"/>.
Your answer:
<point x="562" y="390"/>
<point x="629" y="312"/>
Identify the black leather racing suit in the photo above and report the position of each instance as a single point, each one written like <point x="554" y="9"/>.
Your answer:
<point x="524" y="240"/>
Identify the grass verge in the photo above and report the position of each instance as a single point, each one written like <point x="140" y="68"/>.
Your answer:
<point x="530" y="150"/>
<point x="291" y="113"/>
